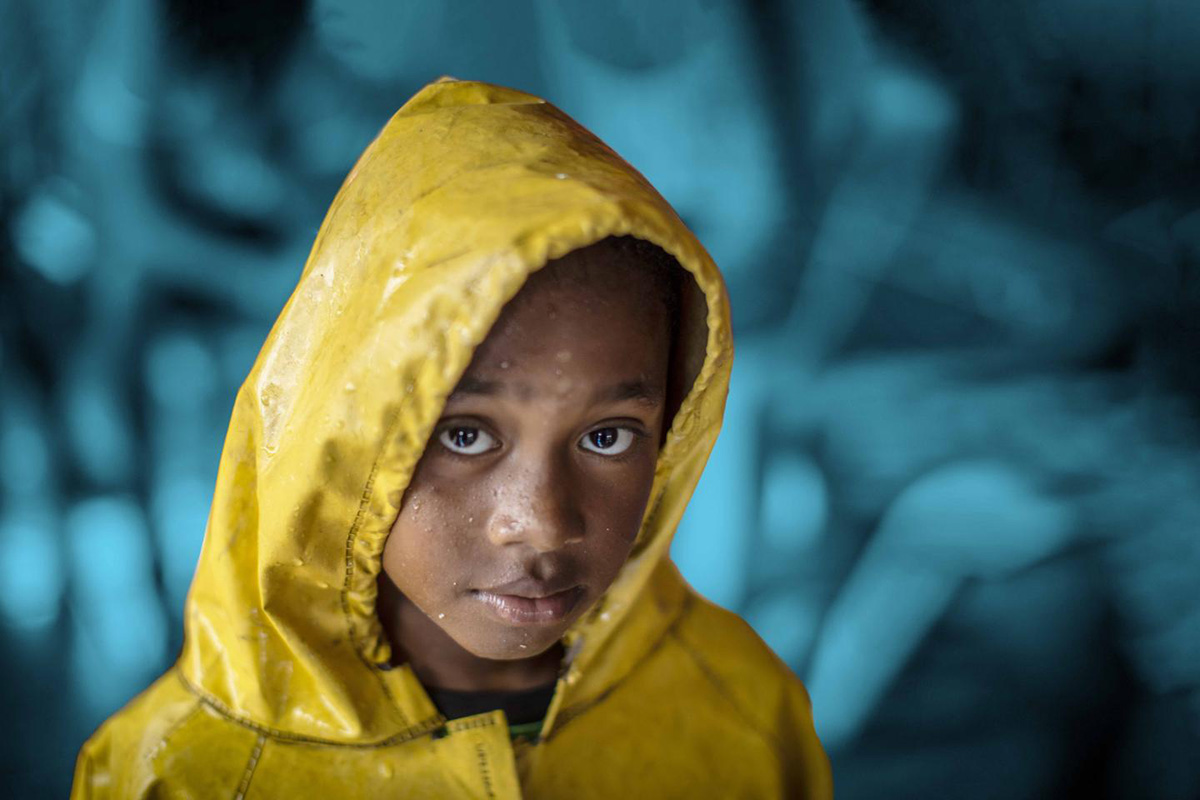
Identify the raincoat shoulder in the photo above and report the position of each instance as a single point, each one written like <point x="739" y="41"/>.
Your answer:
<point x="149" y="749"/>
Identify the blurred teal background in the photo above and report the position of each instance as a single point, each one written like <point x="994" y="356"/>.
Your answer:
<point x="957" y="485"/>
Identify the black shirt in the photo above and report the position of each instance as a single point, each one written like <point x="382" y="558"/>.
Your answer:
<point x="521" y="707"/>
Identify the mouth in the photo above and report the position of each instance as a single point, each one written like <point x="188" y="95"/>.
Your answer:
<point x="530" y="607"/>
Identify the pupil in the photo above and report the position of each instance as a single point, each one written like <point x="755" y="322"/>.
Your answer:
<point x="604" y="438"/>
<point x="465" y="437"/>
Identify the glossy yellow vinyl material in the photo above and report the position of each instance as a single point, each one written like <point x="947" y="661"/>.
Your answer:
<point x="282" y="688"/>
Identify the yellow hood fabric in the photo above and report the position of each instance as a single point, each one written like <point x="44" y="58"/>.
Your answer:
<point x="282" y="688"/>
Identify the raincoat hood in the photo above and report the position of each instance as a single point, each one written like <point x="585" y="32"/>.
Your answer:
<point x="466" y="191"/>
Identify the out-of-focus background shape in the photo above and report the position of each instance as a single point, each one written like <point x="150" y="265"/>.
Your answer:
<point x="958" y="488"/>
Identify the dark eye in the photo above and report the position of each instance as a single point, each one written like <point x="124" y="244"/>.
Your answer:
<point x="465" y="440"/>
<point x="608" y="441"/>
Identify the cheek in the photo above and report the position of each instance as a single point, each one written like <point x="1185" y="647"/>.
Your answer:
<point x="616" y="515"/>
<point x="432" y="538"/>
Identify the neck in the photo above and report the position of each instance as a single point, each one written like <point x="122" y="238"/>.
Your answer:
<point x="439" y="661"/>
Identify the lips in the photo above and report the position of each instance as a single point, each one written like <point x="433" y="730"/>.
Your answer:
<point x="530" y="602"/>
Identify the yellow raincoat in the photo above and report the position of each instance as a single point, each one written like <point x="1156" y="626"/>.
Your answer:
<point x="282" y="689"/>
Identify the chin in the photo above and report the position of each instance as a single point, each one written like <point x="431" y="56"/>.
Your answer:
<point x="512" y="645"/>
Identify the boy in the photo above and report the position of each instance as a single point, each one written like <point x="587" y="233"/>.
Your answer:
<point x="436" y="563"/>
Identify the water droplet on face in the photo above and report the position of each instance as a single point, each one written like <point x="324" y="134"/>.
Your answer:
<point x="441" y="616"/>
<point x="562" y="176"/>
<point x="470" y="519"/>
<point x="503" y="365"/>
<point x="604" y="617"/>
<point x="523" y="646"/>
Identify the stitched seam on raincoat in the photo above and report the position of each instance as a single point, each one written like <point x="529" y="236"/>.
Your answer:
<point x="572" y="713"/>
<point x="723" y="689"/>
<point x="485" y="772"/>
<point x="470" y="724"/>
<point x="406" y="735"/>
<point x="179" y="723"/>
<point x="251" y="765"/>
<point x="347" y="580"/>
<point x="364" y="501"/>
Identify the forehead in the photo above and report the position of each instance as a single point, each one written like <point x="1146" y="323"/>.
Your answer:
<point x="579" y="316"/>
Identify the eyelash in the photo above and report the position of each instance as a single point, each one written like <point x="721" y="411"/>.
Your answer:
<point x="624" y="454"/>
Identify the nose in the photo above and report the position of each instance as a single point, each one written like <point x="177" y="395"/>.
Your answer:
<point x="537" y="508"/>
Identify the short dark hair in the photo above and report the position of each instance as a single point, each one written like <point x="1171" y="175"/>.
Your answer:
<point x="664" y="270"/>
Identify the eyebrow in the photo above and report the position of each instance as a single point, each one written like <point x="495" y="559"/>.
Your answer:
<point x="637" y="390"/>
<point x="474" y="386"/>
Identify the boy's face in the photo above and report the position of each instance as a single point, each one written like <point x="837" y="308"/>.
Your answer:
<point x="531" y="490"/>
